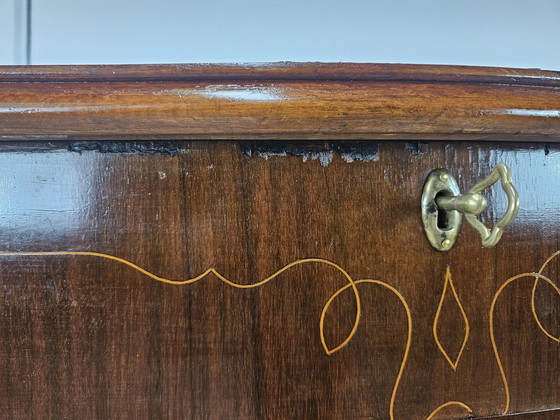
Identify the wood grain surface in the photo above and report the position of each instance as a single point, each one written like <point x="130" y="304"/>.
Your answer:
<point x="279" y="101"/>
<point x="87" y="336"/>
<point x="287" y="71"/>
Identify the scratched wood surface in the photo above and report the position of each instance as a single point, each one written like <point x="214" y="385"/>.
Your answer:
<point x="279" y="101"/>
<point x="88" y="336"/>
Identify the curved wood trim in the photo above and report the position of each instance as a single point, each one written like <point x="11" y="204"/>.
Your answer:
<point x="283" y="71"/>
<point x="279" y="101"/>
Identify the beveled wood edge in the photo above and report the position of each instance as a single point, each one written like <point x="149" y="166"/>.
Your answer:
<point x="303" y="101"/>
<point x="525" y="415"/>
<point x="281" y="71"/>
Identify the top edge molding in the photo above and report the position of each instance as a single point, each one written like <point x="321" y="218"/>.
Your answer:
<point x="280" y="71"/>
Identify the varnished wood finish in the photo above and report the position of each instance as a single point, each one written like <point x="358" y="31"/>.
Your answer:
<point x="283" y="71"/>
<point x="536" y="415"/>
<point x="89" y="337"/>
<point x="279" y="101"/>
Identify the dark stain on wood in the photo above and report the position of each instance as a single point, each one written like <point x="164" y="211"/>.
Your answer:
<point x="127" y="147"/>
<point x="416" y="147"/>
<point x="363" y="151"/>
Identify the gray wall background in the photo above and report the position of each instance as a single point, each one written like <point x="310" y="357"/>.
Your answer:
<point x="7" y="32"/>
<point x="511" y="33"/>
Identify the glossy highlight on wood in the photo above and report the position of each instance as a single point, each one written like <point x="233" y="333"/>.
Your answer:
<point x="108" y="341"/>
<point x="279" y="101"/>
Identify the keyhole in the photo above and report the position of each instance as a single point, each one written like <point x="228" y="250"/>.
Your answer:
<point x="442" y="214"/>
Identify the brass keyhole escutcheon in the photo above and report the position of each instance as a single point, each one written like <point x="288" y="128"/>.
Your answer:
<point x="443" y="206"/>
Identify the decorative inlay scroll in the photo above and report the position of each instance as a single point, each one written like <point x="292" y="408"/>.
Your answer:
<point x="533" y="309"/>
<point x="536" y="277"/>
<point x="352" y="284"/>
<point x="409" y="334"/>
<point x="448" y="286"/>
<point x="448" y="404"/>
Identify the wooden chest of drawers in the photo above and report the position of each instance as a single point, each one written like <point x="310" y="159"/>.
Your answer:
<point x="247" y="242"/>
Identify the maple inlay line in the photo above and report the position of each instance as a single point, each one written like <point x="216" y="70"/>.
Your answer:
<point x="533" y="298"/>
<point x="536" y="276"/>
<point x="409" y="334"/>
<point x="449" y="282"/>
<point x="352" y="284"/>
<point x="448" y="404"/>
<point x="329" y="351"/>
